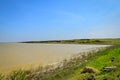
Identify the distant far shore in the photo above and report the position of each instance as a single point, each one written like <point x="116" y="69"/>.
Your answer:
<point x="81" y="41"/>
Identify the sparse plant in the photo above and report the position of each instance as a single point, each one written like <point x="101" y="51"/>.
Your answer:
<point x="17" y="75"/>
<point x="1" y="76"/>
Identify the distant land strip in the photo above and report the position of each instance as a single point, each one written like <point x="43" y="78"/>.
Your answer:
<point x="113" y="41"/>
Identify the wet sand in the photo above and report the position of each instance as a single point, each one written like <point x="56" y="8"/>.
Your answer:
<point x="16" y="55"/>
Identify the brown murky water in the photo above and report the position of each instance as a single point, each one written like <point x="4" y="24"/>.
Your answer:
<point x="24" y="54"/>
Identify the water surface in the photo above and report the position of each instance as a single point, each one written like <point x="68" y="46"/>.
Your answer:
<point x="19" y="54"/>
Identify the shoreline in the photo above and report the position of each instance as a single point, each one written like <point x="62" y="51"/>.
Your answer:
<point x="75" y="60"/>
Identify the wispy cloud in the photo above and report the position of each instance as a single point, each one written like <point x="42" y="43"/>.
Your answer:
<point x="105" y="31"/>
<point x="70" y="14"/>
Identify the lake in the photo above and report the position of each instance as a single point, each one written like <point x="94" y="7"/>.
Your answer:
<point x="16" y="55"/>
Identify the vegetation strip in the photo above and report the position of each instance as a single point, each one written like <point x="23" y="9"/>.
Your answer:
<point x="114" y="41"/>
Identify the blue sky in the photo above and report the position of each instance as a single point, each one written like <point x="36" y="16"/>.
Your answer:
<point x="27" y="20"/>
